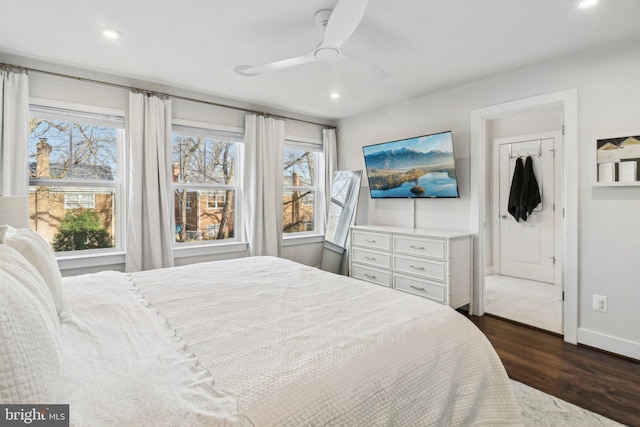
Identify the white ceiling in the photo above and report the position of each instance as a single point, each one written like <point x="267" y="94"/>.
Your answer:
<point x="424" y="45"/>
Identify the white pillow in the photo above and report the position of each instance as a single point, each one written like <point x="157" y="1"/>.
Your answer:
<point x="30" y="364"/>
<point x="16" y="265"/>
<point x="38" y="252"/>
<point x="6" y="230"/>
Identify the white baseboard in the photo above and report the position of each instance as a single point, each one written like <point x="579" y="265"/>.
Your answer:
<point x="608" y="343"/>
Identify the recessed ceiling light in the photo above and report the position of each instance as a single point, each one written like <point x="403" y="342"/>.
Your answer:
<point x="586" y="4"/>
<point x="335" y="95"/>
<point x="111" y="34"/>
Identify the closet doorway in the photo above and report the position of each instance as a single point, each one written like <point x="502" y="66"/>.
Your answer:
<point x="525" y="284"/>
<point x="520" y="117"/>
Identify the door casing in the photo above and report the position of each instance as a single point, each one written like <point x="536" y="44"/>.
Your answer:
<point x="567" y="100"/>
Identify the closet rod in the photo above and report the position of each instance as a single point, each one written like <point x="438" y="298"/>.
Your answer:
<point x="184" y="98"/>
<point x="511" y="156"/>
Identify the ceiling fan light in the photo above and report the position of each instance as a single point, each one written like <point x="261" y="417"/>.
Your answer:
<point x="111" y="34"/>
<point x="326" y="53"/>
<point x="586" y="4"/>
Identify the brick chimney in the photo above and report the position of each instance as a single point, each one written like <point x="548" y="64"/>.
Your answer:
<point x="43" y="167"/>
<point x="175" y="172"/>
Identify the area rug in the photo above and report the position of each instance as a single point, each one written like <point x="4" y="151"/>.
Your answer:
<point x="543" y="410"/>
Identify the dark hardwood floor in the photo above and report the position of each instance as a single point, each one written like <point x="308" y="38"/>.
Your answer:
<point x="598" y="381"/>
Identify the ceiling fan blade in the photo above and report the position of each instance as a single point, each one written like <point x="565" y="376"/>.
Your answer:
<point x="371" y="69"/>
<point x="344" y="20"/>
<point x="248" y="70"/>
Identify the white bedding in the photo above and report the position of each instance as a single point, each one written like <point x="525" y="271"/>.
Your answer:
<point x="298" y="347"/>
<point x="123" y="366"/>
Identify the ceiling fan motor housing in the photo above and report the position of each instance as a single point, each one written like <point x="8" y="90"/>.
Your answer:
<point x="326" y="53"/>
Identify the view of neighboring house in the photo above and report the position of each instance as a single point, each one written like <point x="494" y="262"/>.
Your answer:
<point x="202" y="214"/>
<point x="208" y="214"/>
<point x="50" y="203"/>
<point x="297" y="212"/>
<point x="199" y="214"/>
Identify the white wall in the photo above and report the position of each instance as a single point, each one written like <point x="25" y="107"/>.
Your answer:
<point x="424" y="115"/>
<point x="609" y="227"/>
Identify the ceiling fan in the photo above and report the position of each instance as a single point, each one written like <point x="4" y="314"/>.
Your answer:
<point x="339" y="24"/>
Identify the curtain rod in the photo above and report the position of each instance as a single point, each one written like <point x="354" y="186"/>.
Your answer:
<point x="184" y="98"/>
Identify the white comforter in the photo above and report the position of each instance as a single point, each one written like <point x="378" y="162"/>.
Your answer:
<point x="123" y="366"/>
<point x="296" y="346"/>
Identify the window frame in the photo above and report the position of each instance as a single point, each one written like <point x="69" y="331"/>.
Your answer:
<point x="315" y="146"/>
<point x="344" y="218"/>
<point x="209" y="130"/>
<point x="100" y="116"/>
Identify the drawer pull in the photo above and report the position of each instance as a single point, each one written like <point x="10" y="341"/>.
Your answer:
<point x="416" y="268"/>
<point x="417" y="247"/>
<point x="370" y="240"/>
<point x="370" y="258"/>
<point x="419" y="289"/>
<point x="370" y="276"/>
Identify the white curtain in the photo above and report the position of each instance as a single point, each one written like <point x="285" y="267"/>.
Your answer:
<point x="263" y="172"/>
<point x="14" y="132"/>
<point x="327" y="167"/>
<point x="149" y="225"/>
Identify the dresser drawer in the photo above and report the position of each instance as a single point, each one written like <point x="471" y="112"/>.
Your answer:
<point x="423" y="267"/>
<point x="372" y="240"/>
<point x="432" y="248"/>
<point x="433" y="291"/>
<point x="379" y="277"/>
<point x="376" y="259"/>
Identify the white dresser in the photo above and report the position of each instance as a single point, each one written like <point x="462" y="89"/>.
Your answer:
<point x="434" y="264"/>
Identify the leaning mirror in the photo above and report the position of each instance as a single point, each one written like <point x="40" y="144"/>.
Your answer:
<point x="345" y="190"/>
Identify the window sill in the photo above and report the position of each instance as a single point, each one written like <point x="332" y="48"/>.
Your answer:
<point x="207" y="249"/>
<point x="105" y="258"/>
<point x="302" y="239"/>
<point x="93" y="259"/>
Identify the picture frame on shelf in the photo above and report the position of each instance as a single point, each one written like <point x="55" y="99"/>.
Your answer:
<point x="617" y="158"/>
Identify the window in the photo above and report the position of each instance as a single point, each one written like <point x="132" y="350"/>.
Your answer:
<point x="79" y="200"/>
<point x="344" y="199"/>
<point x="75" y="184"/>
<point x="204" y="161"/>
<point x="216" y="200"/>
<point x="300" y="186"/>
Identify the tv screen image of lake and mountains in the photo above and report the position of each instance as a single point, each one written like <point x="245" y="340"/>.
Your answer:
<point x="418" y="167"/>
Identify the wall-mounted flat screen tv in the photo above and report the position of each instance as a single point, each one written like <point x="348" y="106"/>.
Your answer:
<point x="418" y="167"/>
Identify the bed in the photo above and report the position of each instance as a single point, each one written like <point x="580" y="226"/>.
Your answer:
<point x="257" y="341"/>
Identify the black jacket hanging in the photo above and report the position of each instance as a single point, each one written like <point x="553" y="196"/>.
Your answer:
<point x="516" y="190"/>
<point x="530" y="197"/>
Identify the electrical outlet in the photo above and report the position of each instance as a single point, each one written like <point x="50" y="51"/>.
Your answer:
<point x="599" y="303"/>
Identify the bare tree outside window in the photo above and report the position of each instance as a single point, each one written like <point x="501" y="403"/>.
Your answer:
<point x="74" y="150"/>
<point x="204" y="187"/>
<point x="299" y="190"/>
